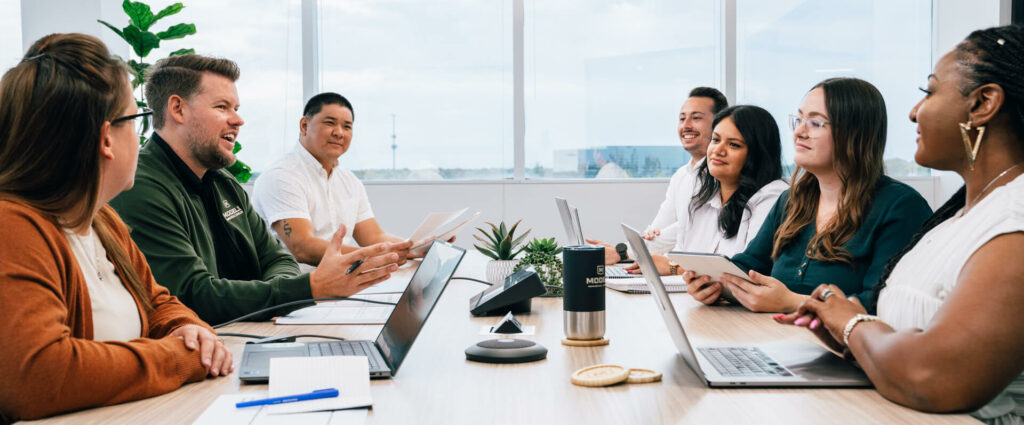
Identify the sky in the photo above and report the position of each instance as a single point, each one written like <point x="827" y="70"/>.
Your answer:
<point x="436" y="77"/>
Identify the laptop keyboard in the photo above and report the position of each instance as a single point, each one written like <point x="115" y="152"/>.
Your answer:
<point x="616" y="272"/>
<point x="743" y="361"/>
<point x="347" y="348"/>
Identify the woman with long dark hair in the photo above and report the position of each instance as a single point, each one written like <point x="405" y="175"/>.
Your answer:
<point x="948" y="335"/>
<point x="842" y="218"/>
<point x="737" y="185"/>
<point x="84" y="323"/>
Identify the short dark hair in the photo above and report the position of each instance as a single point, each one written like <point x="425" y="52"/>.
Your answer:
<point x="317" y="103"/>
<point x="180" y="75"/>
<point x="762" y="166"/>
<point x="711" y="93"/>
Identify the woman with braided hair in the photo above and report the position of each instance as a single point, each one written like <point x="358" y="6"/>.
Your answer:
<point x="948" y="335"/>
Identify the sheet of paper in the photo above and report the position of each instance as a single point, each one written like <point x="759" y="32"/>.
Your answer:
<point x="397" y="283"/>
<point x="224" y="412"/>
<point x="299" y="375"/>
<point x="433" y="222"/>
<point x="445" y="232"/>
<point x="343" y="312"/>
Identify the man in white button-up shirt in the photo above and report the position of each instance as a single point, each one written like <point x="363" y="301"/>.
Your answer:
<point x="305" y="195"/>
<point x="694" y="130"/>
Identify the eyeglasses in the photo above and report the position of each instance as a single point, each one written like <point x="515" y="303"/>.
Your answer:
<point x="141" y="125"/>
<point x="814" y="125"/>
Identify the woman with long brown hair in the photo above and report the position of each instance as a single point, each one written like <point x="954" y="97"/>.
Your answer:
<point x="841" y="219"/>
<point x="84" y="322"/>
<point x="948" y="335"/>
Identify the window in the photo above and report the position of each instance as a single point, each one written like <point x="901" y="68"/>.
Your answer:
<point x="786" y="47"/>
<point x="430" y="82"/>
<point x="605" y="81"/>
<point x="10" y="44"/>
<point x="267" y="49"/>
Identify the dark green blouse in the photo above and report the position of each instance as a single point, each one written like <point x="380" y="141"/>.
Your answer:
<point x="895" y="215"/>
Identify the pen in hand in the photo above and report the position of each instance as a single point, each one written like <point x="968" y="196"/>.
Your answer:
<point x="355" y="266"/>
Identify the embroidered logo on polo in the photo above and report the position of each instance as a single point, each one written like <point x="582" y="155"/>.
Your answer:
<point x="231" y="213"/>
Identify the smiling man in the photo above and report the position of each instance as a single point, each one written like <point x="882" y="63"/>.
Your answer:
<point x="305" y="195"/>
<point x="194" y="222"/>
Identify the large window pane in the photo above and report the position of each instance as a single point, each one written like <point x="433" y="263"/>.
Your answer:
<point x="264" y="38"/>
<point x="10" y="27"/>
<point x="433" y="79"/>
<point x="787" y="46"/>
<point x="605" y="81"/>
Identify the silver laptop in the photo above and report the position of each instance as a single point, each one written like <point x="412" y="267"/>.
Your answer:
<point x="574" y="231"/>
<point x="386" y="353"/>
<point x="772" y="365"/>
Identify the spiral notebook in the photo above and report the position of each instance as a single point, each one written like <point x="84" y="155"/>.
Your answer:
<point x="638" y="285"/>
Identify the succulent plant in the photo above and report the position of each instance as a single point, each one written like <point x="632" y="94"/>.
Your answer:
<point x="543" y="246"/>
<point x="501" y="243"/>
<point x="542" y="254"/>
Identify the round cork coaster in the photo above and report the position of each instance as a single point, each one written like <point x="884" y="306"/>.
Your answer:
<point x="643" y="376"/>
<point x="600" y="375"/>
<point x="585" y="343"/>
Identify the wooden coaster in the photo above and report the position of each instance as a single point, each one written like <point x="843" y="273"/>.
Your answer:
<point x="643" y="376"/>
<point x="600" y="375"/>
<point x="585" y="343"/>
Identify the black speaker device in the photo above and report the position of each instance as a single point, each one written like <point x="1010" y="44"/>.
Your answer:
<point x="506" y="350"/>
<point x="513" y="295"/>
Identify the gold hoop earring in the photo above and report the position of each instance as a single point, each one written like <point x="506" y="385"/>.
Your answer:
<point x="972" y="150"/>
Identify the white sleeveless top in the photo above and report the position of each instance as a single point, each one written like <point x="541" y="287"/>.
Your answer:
<point x="926" y="275"/>
<point x="115" y="315"/>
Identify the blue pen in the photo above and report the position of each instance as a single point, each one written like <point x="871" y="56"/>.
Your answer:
<point x="324" y="393"/>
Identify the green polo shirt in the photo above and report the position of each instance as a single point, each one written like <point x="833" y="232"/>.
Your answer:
<point x="170" y="225"/>
<point x="896" y="213"/>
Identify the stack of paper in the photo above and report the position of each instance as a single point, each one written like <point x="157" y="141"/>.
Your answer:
<point x="343" y="312"/>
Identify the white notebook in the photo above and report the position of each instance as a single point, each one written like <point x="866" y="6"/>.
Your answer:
<point x="638" y="285"/>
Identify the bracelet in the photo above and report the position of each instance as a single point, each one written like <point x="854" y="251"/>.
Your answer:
<point x="853" y="322"/>
<point x="673" y="268"/>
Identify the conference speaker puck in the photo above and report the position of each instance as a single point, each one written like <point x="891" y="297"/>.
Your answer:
<point x="506" y="350"/>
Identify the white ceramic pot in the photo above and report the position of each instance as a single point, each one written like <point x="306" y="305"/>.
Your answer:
<point x="498" y="270"/>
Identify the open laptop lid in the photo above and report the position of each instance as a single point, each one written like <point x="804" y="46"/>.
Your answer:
<point x="572" y="226"/>
<point x="418" y="300"/>
<point x="661" y="299"/>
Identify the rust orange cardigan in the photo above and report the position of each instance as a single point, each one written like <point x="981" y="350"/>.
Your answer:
<point x="48" y="361"/>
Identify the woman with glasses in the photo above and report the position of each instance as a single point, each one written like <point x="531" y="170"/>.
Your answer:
<point x="84" y="323"/>
<point x="841" y="219"/>
<point x="948" y="335"/>
<point x="737" y="185"/>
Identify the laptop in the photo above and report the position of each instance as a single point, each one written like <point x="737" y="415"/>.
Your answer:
<point x="386" y="353"/>
<point x="770" y="365"/>
<point x="574" y="231"/>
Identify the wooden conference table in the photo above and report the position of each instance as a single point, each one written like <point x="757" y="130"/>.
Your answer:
<point x="437" y="385"/>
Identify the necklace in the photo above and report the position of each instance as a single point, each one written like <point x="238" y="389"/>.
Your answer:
<point x="87" y="244"/>
<point x="990" y="183"/>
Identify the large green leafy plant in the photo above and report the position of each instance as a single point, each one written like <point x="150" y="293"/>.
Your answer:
<point x="138" y="35"/>
<point x="501" y="243"/>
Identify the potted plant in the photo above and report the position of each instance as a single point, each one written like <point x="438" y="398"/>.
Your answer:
<point x="142" y="41"/>
<point x="502" y="246"/>
<point x="542" y="254"/>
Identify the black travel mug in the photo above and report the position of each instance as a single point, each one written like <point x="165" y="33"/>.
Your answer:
<point x="583" y="289"/>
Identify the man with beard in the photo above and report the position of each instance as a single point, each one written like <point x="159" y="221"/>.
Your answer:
<point x="695" y="118"/>
<point x="195" y="223"/>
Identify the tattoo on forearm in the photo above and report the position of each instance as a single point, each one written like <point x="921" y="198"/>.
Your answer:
<point x="287" y="230"/>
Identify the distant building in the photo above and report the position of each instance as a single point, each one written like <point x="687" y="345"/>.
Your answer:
<point x="636" y="161"/>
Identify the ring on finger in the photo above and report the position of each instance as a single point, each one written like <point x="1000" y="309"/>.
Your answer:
<point x="827" y="293"/>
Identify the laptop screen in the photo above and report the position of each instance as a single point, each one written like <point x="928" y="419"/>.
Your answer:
<point x="418" y="301"/>
<point x="571" y="221"/>
<point x="657" y="287"/>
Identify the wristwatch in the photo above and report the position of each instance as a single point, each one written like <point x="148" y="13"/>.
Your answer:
<point x="673" y="268"/>
<point x="621" y="249"/>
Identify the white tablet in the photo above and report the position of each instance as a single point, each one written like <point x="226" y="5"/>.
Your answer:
<point x="713" y="265"/>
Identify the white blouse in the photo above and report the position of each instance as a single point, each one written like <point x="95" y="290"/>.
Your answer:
<point x="927" y="274"/>
<point x="115" y="315"/>
<point x="702" y="233"/>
